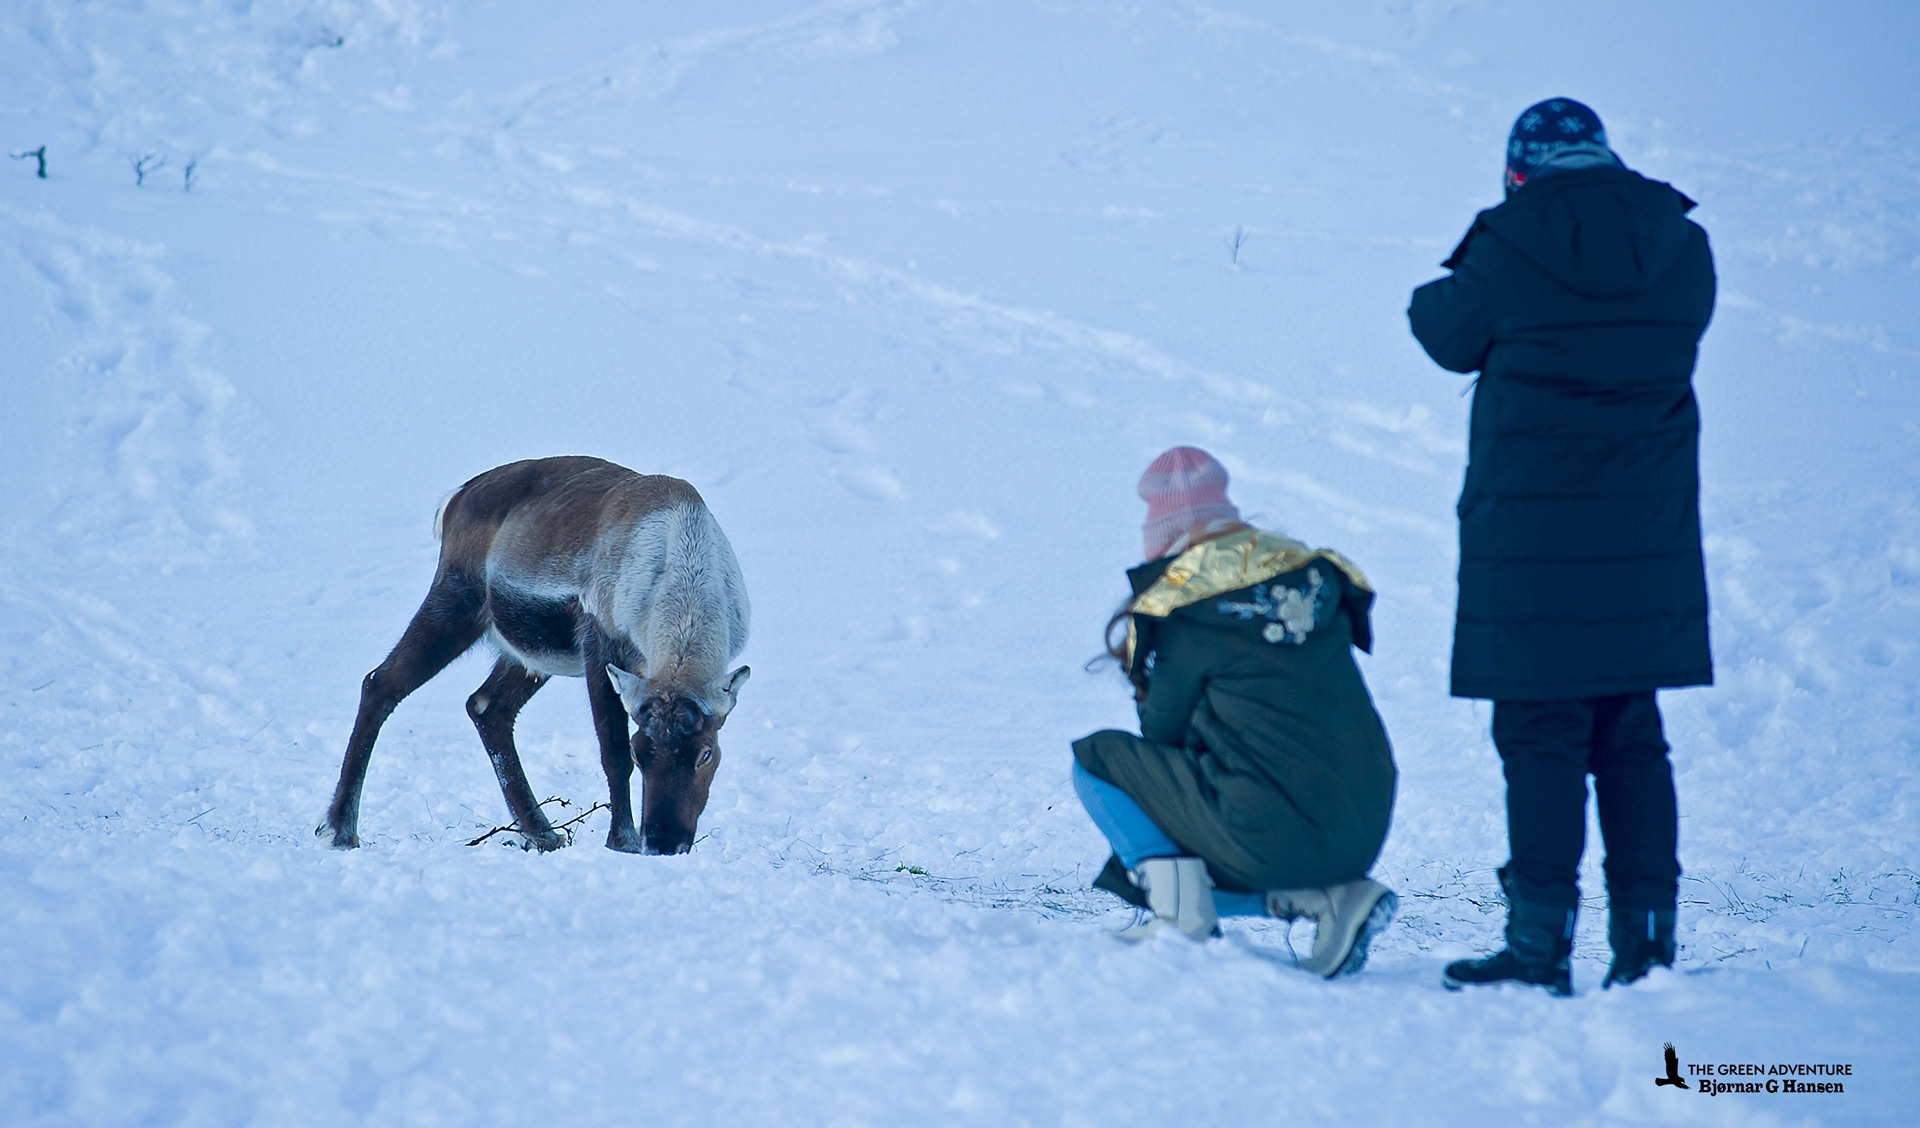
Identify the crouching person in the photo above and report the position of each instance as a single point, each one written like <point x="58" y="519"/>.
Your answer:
<point x="1262" y="782"/>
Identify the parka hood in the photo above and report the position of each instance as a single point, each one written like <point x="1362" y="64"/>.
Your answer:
<point x="1601" y="232"/>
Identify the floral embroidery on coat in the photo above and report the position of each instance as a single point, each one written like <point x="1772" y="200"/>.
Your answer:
<point x="1291" y="613"/>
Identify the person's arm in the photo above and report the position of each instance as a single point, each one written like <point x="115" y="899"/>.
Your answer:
<point x="1452" y="317"/>
<point x="1175" y="689"/>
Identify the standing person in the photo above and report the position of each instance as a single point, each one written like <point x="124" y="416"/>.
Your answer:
<point x="1262" y="782"/>
<point x="1580" y="300"/>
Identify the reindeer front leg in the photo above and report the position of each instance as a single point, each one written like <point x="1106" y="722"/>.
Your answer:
<point x="616" y="753"/>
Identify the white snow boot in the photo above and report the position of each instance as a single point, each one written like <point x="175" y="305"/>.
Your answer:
<point x="1346" y="919"/>
<point x="1180" y="895"/>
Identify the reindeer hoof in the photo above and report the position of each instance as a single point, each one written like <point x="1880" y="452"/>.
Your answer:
<point x="545" y="843"/>
<point x="335" y="837"/>
<point x="627" y="843"/>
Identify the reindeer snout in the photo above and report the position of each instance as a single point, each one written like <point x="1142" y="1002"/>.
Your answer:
<point x="668" y="842"/>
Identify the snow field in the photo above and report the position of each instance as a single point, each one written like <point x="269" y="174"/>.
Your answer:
<point x="910" y="292"/>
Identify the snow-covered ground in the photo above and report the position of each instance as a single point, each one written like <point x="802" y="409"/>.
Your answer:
<point x="911" y="291"/>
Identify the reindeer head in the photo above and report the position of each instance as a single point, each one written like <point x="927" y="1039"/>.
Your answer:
<point x="676" y="746"/>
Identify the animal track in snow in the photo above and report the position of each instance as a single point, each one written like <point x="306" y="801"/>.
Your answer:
<point x="873" y="482"/>
<point x="152" y="469"/>
<point x="650" y="70"/>
<point x="963" y="523"/>
<point x="838" y="436"/>
<point x="1106" y="145"/>
<point x="839" y="426"/>
<point x="1357" y="515"/>
<point x="1411" y="439"/>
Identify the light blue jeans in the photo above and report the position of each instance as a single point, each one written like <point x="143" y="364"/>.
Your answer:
<point x="1136" y="837"/>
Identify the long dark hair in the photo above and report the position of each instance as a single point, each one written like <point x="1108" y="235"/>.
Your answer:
<point x="1139" y="673"/>
<point x="1114" y="649"/>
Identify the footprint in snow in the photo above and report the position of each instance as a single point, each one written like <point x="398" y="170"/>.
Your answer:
<point x="837" y="436"/>
<point x="872" y="482"/>
<point x="961" y="523"/>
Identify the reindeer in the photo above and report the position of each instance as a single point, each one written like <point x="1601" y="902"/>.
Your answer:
<point x="577" y="567"/>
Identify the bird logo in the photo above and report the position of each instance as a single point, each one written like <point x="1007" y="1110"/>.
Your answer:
<point x="1673" y="1070"/>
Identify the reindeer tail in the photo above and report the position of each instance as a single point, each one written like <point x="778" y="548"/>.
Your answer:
<point x="440" y="516"/>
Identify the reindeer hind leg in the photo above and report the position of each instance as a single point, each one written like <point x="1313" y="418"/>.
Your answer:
<point x="493" y="707"/>
<point x="450" y="620"/>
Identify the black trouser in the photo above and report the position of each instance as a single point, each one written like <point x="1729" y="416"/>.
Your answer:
<point x="1549" y="748"/>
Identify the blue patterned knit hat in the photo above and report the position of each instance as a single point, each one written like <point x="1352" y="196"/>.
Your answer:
<point x="1559" y="131"/>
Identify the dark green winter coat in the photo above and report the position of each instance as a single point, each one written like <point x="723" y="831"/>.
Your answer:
<point x="1580" y="301"/>
<point x="1261" y="750"/>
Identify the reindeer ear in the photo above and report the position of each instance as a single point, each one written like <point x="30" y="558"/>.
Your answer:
<point x="631" y="688"/>
<point x="729" y="691"/>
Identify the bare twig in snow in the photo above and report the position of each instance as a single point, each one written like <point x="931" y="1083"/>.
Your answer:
<point x="1234" y="244"/>
<point x="565" y="828"/>
<point x="39" y="154"/>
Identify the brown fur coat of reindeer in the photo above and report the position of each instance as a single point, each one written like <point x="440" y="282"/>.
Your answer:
<point x="577" y="567"/>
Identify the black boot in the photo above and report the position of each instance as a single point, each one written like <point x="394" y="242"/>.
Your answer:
<point x="1642" y="939"/>
<point x="1539" y="942"/>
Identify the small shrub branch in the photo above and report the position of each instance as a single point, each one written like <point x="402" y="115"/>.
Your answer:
<point x="39" y="155"/>
<point x="1235" y="243"/>
<point x="565" y="828"/>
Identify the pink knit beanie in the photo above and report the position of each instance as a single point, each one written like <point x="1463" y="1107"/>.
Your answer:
<point x="1183" y="488"/>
